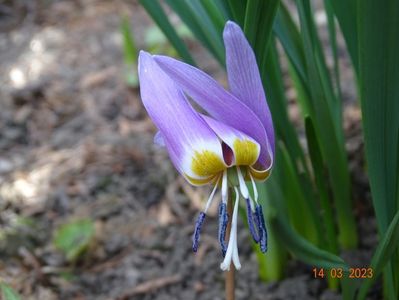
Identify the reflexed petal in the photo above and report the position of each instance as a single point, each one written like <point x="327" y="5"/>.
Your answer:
<point x="220" y="104"/>
<point x="245" y="149"/>
<point x="243" y="75"/>
<point x="259" y="174"/>
<point x="194" y="148"/>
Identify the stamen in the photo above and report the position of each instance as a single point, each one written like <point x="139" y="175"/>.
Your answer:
<point x="254" y="188"/>
<point x="261" y="228"/>
<point x="224" y="187"/>
<point x="223" y="220"/>
<point x="232" y="249"/>
<point x="251" y="226"/>
<point x="209" y="202"/>
<point x="243" y="186"/>
<point x="197" y="230"/>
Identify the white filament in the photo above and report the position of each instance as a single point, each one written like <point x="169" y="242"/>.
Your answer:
<point x="243" y="186"/>
<point x="254" y="188"/>
<point x="232" y="249"/>
<point x="209" y="202"/>
<point x="224" y="187"/>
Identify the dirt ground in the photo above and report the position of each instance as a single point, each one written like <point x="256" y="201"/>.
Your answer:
<point x="75" y="142"/>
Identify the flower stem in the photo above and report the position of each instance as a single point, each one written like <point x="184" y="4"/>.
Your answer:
<point x="229" y="277"/>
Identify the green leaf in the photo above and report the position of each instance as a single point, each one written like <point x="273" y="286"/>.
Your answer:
<point x="272" y="263"/>
<point x="302" y="249"/>
<point x="272" y="78"/>
<point x="216" y="12"/>
<point x="378" y="48"/>
<point x="334" y="47"/>
<point x="8" y="293"/>
<point x="74" y="238"/>
<point x="129" y="53"/>
<point x="129" y="48"/>
<point x="326" y="117"/>
<point x="251" y="20"/>
<point x="320" y="179"/>
<point x="237" y="8"/>
<point x="379" y="77"/>
<point x="156" y="11"/>
<point x="385" y="249"/>
<point x="301" y="209"/>
<point x="259" y="33"/>
<point x="193" y="14"/>
<point x="346" y="13"/>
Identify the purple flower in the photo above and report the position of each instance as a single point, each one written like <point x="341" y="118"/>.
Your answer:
<point x="232" y="144"/>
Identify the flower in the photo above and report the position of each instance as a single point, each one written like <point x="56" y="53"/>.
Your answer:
<point x="233" y="143"/>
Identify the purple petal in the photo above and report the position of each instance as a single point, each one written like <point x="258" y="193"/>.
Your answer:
<point x="158" y="139"/>
<point x="245" y="149"/>
<point x="219" y="103"/>
<point x="184" y="131"/>
<point x="243" y="75"/>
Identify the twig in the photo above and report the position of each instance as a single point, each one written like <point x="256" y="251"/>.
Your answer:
<point x="150" y="286"/>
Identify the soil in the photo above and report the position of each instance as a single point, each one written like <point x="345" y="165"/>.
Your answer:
<point x="75" y="142"/>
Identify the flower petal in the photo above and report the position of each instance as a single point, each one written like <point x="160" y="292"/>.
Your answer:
<point x="194" y="148"/>
<point x="243" y="75"/>
<point x="219" y="103"/>
<point x="158" y="139"/>
<point x="245" y="149"/>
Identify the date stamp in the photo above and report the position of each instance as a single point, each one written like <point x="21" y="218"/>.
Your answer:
<point x="354" y="273"/>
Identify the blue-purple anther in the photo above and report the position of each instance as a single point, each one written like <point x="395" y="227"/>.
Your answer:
<point x="250" y="218"/>
<point x="260" y="221"/>
<point x="223" y="220"/>
<point x="197" y="230"/>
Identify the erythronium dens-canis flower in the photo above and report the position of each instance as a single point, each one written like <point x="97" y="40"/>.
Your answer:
<point x="232" y="144"/>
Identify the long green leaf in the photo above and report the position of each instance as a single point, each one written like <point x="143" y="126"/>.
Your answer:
<point x="194" y="15"/>
<point x="318" y="169"/>
<point x="334" y="48"/>
<point x="216" y="12"/>
<point x="8" y="293"/>
<point x="385" y="250"/>
<point x="237" y="8"/>
<point x="251" y="21"/>
<point x="302" y="212"/>
<point x="346" y="13"/>
<point x="156" y="11"/>
<point x="304" y="250"/>
<point x="129" y="47"/>
<point x="272" y="263"/>
<point x="328" y="130"/>
<point x="288" y="34"/>
<point x="272" y="78"/>
<point x="379" y="77"/>
<point x="263" y="35"/>
<point x="378" y="45"/>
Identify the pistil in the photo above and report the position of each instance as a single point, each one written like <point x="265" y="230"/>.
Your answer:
<point x="232" y="249"/>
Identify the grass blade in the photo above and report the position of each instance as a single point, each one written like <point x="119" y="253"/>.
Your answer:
<point x="319" y="176"/>
<point x="325" y="115"/>
<point x="382" y="255"/>
<point x="157" y="13"/>
<point x="379" y="77"/>
<point x="8" y="293"/>
<point x="346" y="13"/>
<point x="194" y="15"/>
<point x="334" y="48"/>
<point x="237" y="8"/>
<point x="378" y="45"/>
<point x="304" y="250"/>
